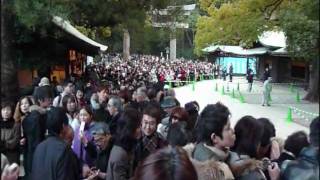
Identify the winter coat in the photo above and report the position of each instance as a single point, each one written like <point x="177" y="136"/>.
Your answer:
<point x="9" y="142"/>
<point x="306" y="167"/>
<point x="99" y="112"/>
<point x="141" y="152"/>
<point x="120" y="164"/>
<point x="113" y="123"/>
<point x="34" y="128"/>
<point x="250" y="173"/>
<point x="86" y="154"/>
<point x="53" y="161"/>
<point x="210" y="168"/>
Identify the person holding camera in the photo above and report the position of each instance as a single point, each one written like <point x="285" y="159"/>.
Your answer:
<point x="243" y="160"/>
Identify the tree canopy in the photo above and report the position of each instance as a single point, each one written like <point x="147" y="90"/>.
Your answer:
<point x="240" y="22"/>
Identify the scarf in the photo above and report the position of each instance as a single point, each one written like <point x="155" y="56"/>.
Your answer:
<point x="150" y="143"/>
<point x="6" y="124"/>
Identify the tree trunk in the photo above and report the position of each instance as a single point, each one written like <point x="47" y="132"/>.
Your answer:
<point x="126" y="44"/>
<point x="9" y="80"/>
<point x="313" y="91"/>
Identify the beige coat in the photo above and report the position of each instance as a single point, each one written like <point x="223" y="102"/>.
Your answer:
<point x="210" y="169"/>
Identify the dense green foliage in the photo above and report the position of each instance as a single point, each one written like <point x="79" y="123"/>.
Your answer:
<point x="240" y="22"/>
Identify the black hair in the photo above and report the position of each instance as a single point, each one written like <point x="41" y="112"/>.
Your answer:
<point x="66" y="82"/>
<point x="153" y="110"/>
<point x="296" y="142"/>
<point x="166" y="163"/>
<point x="56" y="118"/>
<point x="177" y="134"/>
<point x="128" y="123"/>
<point x="7" y="104"/>
<point x="314" y="132"/>
<point x="42" y="93"/>
<point x="151" y="93"/>
<point x="65" y="100"/>
<point x="269" y="131"/>
<point x="248" y="133"/>
<point x="212" y="120"/>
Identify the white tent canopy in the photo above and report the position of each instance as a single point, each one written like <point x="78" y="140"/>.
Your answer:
<point x="73" y="31"/>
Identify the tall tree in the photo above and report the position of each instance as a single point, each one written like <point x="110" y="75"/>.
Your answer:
<point x="9" y="85"/>
<point x="241" y="22"/>
<point x="300" y="22"/>
<point x="127" y="15"/>
<point x="23" y="25"/>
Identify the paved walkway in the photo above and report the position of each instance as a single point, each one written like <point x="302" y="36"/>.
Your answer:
<point x="282" y="98"/>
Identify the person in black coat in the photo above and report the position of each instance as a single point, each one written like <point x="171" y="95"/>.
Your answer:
<point x="250" y="79"/>
<point x="115" y="108"/>
<point x="34" y="126"/>
<point x="52" y="159"/>
<point x="266" y="74"/>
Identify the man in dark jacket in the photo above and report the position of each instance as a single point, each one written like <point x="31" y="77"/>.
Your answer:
<point x="34" y="125"/>
<point x="53" y="157"/>
<point x="250" y="79"/>
<point x="306" y="167"/>
<point x="115" y="108"/>
<point x="266" y="74"/>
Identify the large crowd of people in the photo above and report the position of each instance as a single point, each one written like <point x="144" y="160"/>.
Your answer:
<point x="120" y="121"/>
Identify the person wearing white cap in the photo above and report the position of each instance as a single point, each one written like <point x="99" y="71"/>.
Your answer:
<point x="44" y="82"/>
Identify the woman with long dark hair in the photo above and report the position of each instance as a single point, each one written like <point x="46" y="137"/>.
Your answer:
<point x="9" y="133"/>
<point x="120" y="165"/>
<point x="243" y="160"/>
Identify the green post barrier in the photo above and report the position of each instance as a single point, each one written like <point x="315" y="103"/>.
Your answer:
<point x="298" y="96"/>
<point x="216" y="86"/>
<point x="170" y="85"/>
<point x="291" y="87"/>
<point x="241" y="98"/>
<point x="238" y="86"/>
<point x="222" y="90"/>
<point x="289" y="115"/>
<point x="233" y="95"/>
